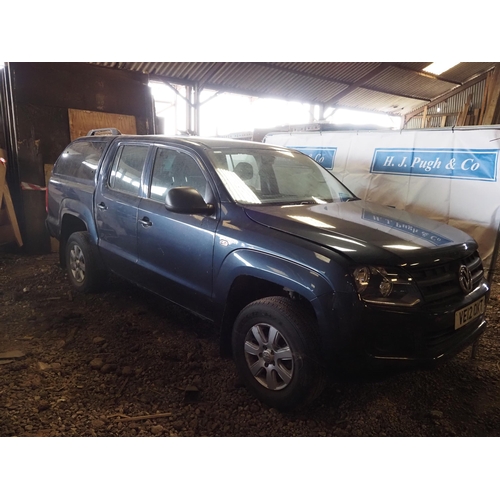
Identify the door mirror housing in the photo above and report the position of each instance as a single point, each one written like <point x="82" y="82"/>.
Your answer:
<point x="186" y="200"/>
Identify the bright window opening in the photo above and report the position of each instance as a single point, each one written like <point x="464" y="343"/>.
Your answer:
<point x="223" y="114"/>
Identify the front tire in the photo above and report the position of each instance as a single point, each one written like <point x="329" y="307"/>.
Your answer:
<point x="82" y="263"/>
<point x="276" y="353"/>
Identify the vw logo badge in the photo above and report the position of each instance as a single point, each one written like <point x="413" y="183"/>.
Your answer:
<point x="465" y="279"/>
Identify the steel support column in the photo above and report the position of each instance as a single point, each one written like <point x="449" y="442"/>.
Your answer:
<point x="189" y="91"/>
<point x="196" y="110"/>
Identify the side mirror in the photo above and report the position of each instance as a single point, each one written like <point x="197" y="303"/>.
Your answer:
<point x="186" y="200"/>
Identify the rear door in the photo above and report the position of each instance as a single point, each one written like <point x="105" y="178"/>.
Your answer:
<point x="176" y="250"/>
<point x="116" y="206"/>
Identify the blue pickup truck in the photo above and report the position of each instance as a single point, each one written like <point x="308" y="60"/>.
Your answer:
<point x="297" y="274"/>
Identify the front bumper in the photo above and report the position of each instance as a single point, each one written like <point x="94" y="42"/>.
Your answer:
<point x="422" y="335"/>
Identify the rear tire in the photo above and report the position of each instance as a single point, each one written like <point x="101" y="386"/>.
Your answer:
<point x="276" y="352"/>
<point x="85" y="272"/>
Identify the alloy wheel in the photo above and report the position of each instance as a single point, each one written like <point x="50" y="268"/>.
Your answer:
<point x="77" y="263"/>
<point x="269" y="357"/>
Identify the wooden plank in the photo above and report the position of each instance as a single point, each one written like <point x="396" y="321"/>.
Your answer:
<point x="12" y="216"/>
<point x="424" y="118"/>
<point x="484" y="101"/>
<point x="81" y="121"/>
<point x="475" y="120"/>
<point x="443" y="120"/>
<point x="463" y="114"/>
<point x="3" y="172"/>
<point x="9" y="205"/>
<point x="47" y="169"/>
<point x="493" y="97"/>
<point x="54" y="244"/>
<point x="458" y="89"/>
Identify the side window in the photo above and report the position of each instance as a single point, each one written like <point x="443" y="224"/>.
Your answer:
<point x="174" y="169"/>
<point x="127" y="169"/>
<point x="80" y="159"/>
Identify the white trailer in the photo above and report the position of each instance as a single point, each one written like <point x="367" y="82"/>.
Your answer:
<point x="448" y="174"/>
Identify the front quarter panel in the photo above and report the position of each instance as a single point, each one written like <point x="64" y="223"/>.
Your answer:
<point x="245" y="262"/>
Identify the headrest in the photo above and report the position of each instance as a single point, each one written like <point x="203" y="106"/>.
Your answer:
<point x="244" y="170"/>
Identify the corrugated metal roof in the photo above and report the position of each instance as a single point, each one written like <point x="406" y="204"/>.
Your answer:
<point x="385" y="87"/>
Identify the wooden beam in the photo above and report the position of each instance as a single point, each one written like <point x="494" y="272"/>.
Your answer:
<point x="426" y="75"/>
<point x="424" y="118"/>
<point x="475" y="120"/>
<point x="242" y="91"/>
<point x="445" y="96"/>
<point x="13" y="234"/>
<point x="433" y="115"/>
<point x="484" y="101"/>
<point x="54" y="244"/>
<point x="493" y="97"/>
<point x="461" y="120"/>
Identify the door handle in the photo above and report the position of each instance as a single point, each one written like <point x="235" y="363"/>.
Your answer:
<point x="146" y="222"/>
<point x="102" y="206"/>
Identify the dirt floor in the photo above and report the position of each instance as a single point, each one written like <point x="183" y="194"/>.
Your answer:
<point x="126" y="363"/>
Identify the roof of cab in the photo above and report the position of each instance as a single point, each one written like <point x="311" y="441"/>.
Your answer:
<point x="193" y="141"/>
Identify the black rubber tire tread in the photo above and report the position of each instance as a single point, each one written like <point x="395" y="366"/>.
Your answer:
<point x="294" y="321"/>
<point x="95" y="274"/>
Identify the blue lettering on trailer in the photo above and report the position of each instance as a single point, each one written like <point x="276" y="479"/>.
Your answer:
<point x="325" y="156"/>
<point x="472" y="164"/>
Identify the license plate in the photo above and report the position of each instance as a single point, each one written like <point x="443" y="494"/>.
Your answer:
<point x="467" y="314"/>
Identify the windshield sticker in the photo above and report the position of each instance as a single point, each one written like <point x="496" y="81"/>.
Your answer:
<point x="429" y="236"/>
<point x="472" y="164"/>
<point x="324" y="156"/>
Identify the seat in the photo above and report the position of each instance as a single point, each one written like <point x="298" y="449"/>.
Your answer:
<point x="244" y="170"/>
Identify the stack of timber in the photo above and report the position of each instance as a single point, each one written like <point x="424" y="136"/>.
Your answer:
<point x="490" y="106"/>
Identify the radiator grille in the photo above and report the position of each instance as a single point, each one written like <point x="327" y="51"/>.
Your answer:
<point x="439" y="283"/>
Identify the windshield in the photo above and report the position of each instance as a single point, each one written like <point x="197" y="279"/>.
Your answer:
<point x="262" y="176"/>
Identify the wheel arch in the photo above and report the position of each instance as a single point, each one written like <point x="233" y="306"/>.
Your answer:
<point x="74" y="216"/>
<point x="246" y="276"/>
<point x="277" y="354"/>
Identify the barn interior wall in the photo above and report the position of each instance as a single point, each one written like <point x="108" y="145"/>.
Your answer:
<point x="447" y="112"/>
<point x="42" y="94"/>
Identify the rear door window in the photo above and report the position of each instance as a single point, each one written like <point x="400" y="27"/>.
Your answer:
<point x="127" y="169"/>
<point x="80" y="159"/>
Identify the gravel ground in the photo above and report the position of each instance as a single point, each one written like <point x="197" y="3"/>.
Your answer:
<point x="126" y="363"/>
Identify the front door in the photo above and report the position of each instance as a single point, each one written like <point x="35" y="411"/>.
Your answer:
<point x="177" y="249"/>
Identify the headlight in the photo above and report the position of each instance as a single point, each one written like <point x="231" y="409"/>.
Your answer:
<point x="385" y="286"/>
